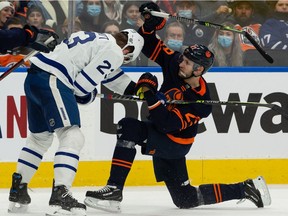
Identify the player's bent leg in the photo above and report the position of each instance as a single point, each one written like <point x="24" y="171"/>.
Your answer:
<point x="71" y="141"/>
<point x="129" y="133"/>
<point x="184" y="195"/>
<point x="30" y="157"/>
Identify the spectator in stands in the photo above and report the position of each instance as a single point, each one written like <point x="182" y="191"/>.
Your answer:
<point x="79" y="7"/>
<point x="18" y="53"/>
<point x="36" y="18"/>
<point x="174" y="36"/>
<point x="113" y="10"/>
<point x="214" y="10"/>
<point x="111" y="27"/>
<point x="274" y="32"/>
<point x="226" y="47"/>
<point x="243" y="18"/>
<point x="131" y="17"/>
<point x="92" y="15"/>
<point x="195" y="34"/>
<point x="64" y="28"/>
<point x="6" y="11"/>
<point x="167" y="5"/>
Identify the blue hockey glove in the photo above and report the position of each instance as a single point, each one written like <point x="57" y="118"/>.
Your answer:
<point x="87" y="99"/>
<point x="161" y="97"/>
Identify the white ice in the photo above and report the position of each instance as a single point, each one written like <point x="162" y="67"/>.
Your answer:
<point x="156" y="201"/>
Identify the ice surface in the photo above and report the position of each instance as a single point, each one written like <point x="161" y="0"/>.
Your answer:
<point x="156" y="201"/>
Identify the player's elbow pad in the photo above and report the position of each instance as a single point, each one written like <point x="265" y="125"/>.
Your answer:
<point x="87" y="99"/>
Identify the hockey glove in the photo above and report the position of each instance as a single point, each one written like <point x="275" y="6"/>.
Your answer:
<point x="87" y="99"/>
<point x="161" y="97"/>
<point x="37" y="37"/>
<point x="151" y="23"/>
<point x="147" y="81"/>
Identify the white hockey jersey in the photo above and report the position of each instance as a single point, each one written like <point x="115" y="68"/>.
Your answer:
<point x="85" y="60"/>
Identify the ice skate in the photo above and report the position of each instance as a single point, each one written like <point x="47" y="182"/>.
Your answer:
<point x="18" y="197"/>
<point x="257" y="192"/>
<point x="107" y="199"/>
<point x="63" y="203"/>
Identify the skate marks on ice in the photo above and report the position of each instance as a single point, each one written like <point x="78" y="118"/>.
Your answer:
<point x="155" y="201"/>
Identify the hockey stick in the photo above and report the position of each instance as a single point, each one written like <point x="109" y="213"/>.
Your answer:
<point x="274" y="107"/>
<point x="217" y="26"/>
<point x="28" y="56"/>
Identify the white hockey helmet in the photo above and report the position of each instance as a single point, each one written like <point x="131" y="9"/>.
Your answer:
<point x="136" y="41"/>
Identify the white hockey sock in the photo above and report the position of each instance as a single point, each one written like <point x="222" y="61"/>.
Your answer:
<point x="28" y="163"/>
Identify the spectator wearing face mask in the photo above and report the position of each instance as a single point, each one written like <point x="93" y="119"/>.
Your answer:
<point x="194" y="34"/>
<point x="227" y="47"/>
<point x="92" y="15"/>
<point x="131" y="17"/>
<point x="174" y="36"/>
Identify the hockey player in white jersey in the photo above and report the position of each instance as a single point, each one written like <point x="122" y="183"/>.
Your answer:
<point x="55" y="83"/>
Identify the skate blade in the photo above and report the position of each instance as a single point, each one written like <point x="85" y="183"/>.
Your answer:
<point x="58" y="211"/>
<point x="17" y="207"/>
<point x="105" y="205"/>
<point x="261" y="185"/>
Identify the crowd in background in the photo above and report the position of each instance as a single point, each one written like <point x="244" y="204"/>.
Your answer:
<point x="266" y="21"/>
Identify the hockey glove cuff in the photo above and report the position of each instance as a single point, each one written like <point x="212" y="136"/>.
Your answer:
<point x="37" y="37"/>
<point x="147" y="81"/>
<point x="87" y="99"/>
<point x="151" y="23"/>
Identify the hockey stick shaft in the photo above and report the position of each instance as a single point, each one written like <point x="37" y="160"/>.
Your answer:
<point x="22" y="61"/>
<point x="274" y="107"/>
<point x="217" y="26"/>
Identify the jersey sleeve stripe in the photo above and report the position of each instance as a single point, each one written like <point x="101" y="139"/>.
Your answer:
<point x="78" y="86"/>
<point x="57" y="65"/>
<point x="113" y="78"/>
<point x="88" y="77"/>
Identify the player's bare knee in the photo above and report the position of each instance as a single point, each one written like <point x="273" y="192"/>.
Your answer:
<point x="131" y="129"/>
<point x="70" y="138"/>
<point x="40" y="142"/>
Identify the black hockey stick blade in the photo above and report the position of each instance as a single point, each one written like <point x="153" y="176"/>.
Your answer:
<point x="274" y="107"/>
<point x="220" y="27"/>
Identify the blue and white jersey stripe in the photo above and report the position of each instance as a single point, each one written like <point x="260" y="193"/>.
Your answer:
<point x="83" y="61"/>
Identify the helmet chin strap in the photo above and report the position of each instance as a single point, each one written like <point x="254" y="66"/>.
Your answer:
<point x="195" y="68"/>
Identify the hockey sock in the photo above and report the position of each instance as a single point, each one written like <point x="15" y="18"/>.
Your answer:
<point x="216" y="193"/>
<point x="28" y="163"/>
<point x="121" y="164"/>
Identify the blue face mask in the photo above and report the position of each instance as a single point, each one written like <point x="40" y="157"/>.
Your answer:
<point x="225" y="41"/>
<point x="175" y="44"/>
<point x="185" y="13"/>
<point x="131" y="22"/>
<point x="93" y="10"/>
